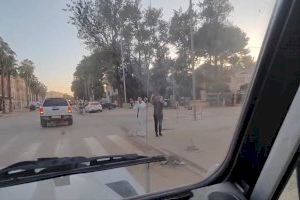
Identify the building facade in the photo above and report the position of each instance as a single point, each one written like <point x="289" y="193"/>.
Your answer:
<point x="240" y="78"/>
<point x="18" y="93"/>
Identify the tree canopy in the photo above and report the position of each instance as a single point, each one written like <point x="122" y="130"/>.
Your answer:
<point x="124" y="34"/>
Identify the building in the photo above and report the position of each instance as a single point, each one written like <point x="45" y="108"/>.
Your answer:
<point x="18" y="93"/>
<point x="239" y="78"/>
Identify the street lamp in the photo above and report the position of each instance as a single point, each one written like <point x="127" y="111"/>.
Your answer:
<point x="193" y="59"/>
<point x="124" y="81"/>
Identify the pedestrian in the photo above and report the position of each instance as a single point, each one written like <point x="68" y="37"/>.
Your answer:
<point x="158" y="114"/>
<point x="141" y="117"/>
<point x="131" y="103"/>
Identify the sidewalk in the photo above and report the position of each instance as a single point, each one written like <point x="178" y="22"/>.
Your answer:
<point x="14" y="113"/>
<point x="201" y="144"/>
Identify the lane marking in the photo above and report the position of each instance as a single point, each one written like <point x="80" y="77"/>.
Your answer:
<point x="95" y="146"/>
<point x="126" y="146"/>
<point x="30" y="152"/>
<point x="9" y="144"/>
<point x="63" y="148"/>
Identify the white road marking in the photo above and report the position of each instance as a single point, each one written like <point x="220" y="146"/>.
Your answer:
<point x="9" y="144"/>
<point x="124" y="144"/>
<point x="63" y="148"/>
<point x="30" y="152"/>
<point x="95" y="146"/>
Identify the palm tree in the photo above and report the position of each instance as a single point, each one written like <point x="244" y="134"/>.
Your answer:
<point x="11" y="71"/>
<point x="38" y="89"/>
<point x="7" y="58"/>
<point x="34" y="87"/>
<point x="26" y="69"/>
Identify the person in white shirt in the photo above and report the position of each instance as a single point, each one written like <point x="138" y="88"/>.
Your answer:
<point x="140" y="108"/>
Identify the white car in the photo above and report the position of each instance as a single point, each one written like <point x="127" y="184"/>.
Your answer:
<point x="55" y="110"/>
<point x="93" y="107"/>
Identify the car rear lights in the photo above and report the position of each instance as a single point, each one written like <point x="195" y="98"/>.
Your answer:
<point x="69" y="109"/>
<point x="41" y="111"/>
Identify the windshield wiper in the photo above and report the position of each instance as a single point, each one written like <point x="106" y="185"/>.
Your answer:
<point x="46" y="168"/>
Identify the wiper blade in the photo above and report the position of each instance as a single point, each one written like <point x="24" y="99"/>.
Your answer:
<point x="46" y="168"/>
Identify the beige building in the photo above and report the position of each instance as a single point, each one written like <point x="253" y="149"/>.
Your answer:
<point x="239" y="78"/>
<point x="18" y="92"/>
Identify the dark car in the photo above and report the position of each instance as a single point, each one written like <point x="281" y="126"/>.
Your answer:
<point x="109" y="106"/>
<point x="32" y="107"/>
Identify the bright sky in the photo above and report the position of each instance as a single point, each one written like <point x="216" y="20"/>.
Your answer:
<point x="38" y="30"/>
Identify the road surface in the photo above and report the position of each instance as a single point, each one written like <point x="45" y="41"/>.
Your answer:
<point x="22" y="138"/>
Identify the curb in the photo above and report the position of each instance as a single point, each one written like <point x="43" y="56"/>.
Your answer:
<point x="192" y="165"/>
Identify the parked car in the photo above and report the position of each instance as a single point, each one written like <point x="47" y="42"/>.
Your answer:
<point x="55" y="110"/>
<point x="34" y="105"/>
<point x="109" y="106"/>
<point x="93" y="107"/>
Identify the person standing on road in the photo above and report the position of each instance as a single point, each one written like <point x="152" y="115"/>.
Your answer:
<point x="158" y="114"/>
<point x="141" y="117"/>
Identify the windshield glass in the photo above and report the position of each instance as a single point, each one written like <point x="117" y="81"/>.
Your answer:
<point x="171" y="78"/>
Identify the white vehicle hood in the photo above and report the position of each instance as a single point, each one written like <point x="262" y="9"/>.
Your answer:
<point x="109" y="184"/>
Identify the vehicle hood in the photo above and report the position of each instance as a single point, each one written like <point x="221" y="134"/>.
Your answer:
<point x="109" y="184"/>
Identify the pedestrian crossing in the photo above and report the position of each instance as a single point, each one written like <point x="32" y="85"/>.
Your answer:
<point x="29" y="152"/>
<point x="63" y="148"/>
<point x="14" y="150"/>
<point x="124" y="144"/>
<point x="96" y="149"/>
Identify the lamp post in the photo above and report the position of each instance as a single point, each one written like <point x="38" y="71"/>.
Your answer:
<point x="123" y="69"/>
<point x="193" y="59"/>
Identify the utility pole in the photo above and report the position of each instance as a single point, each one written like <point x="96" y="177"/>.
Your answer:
<point x="148" y="183"/>
<point x="193" y="59"/>
<point x="124" y="81"/>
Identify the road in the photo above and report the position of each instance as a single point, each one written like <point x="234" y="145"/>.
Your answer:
<point x="198" y="144"/>
<point x="22" y="138"/>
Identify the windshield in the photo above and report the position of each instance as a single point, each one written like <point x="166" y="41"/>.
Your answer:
<point x="55" y="102"/>
<point x="171" y="78"/>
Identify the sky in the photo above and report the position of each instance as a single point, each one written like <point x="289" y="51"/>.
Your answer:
<point x="38" y="30"/>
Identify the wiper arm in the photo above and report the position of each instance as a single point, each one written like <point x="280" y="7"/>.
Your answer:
<point x="46" y="168"/>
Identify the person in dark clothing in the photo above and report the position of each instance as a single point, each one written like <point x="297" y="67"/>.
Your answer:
<point x="158" y="114"/>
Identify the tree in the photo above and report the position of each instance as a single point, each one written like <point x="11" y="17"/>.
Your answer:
<point x="180" y="38"/>
<point x="38" y="89"/>
<point x="88" y="77"/>
<point x="215" y="11"/>
<point x="26" y="70"/>
<point x="11" y="71"/>
<point x="159" y="76"/>
<point x="7" y="60"/>
<point x="217" y="42"/>
<point x="67" y="96"/>
<point x="212" y="79"/>
<point x="100" y="25"/>
<point x="107" y="25"/>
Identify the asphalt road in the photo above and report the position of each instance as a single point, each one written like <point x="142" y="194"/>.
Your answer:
<point x="22" y="138"/>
